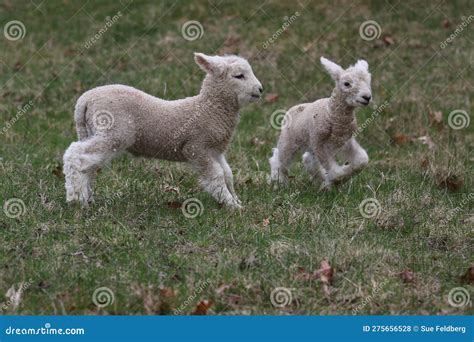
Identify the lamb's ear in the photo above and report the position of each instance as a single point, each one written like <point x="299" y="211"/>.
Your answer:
<point x="209" y="64"/>
<point x="332" y="68"/>
<point x="362" y="64"/>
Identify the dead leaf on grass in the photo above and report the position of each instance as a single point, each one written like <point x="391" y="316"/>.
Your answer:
<point x="202" y="307"/>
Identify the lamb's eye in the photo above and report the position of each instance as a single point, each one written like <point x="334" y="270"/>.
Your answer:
<point x="347" y="84"/>
<point x="240" y="77"/>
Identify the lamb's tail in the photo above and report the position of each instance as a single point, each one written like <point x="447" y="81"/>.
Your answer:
<point x="80" y="118"/>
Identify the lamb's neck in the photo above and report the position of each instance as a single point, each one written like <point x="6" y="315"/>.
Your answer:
<point x="340" y="113"/>
<point x="217" y="103"/>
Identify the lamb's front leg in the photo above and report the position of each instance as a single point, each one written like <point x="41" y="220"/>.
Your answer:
<point x="355" y="156"/>
<point x="228" y="177"/>
<point x="333" y="172"/>
<point x="212" y="179"/>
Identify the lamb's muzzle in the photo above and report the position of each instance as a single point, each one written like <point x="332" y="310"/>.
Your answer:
<point x="116" y="118"/>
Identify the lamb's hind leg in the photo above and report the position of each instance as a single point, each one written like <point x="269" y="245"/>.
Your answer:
<point x="312" y="166"/>
<point x="81" y="160"/>
<point x="281" y="160"/>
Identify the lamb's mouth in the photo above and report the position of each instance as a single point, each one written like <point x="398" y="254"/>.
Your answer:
<point x="363" y="103"/>
<point x="255" y="96"/>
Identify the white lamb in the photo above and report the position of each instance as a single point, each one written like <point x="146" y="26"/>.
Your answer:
<point x="116" y="118"/>
<point x="324" y="129"/>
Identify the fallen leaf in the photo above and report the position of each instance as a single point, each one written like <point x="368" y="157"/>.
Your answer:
<point x="452" y="182"/>
<point x="174" y="204"/>
<point x="400" y="138"/>
<point x="58" y="171"/>
<point x="388" y="40"/>
<point x="202" y="307"/>
<point x="271" y="97"/>
<point x="446" y="23"/>
<point x="167" y="292"/>
<point x="426" y="140"/>
<point x="468" y="277"/>
<point x="425" y="162"/>
<point x="266" y="222"/>
<point x="407" y="276"/>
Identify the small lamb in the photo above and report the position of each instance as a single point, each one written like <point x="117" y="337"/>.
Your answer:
<point x="115" y="118"/>
<point x="324" y="129"/>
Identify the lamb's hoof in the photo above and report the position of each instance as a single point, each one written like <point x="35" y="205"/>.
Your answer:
<point x="325" y="186"/>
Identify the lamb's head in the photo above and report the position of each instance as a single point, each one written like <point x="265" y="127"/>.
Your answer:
<point x="232" y="73"/>
<point x="353" y="83"/>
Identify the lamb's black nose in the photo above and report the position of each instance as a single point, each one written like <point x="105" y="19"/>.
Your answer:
<point x="367" y="98"/>
<point x="260" y="89"/>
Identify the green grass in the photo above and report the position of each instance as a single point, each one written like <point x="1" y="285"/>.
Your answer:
<point x="149" y="254"/>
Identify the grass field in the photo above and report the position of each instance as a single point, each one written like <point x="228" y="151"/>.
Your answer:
<point x="135" y="240"/>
